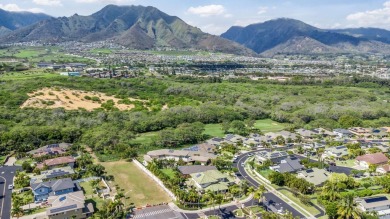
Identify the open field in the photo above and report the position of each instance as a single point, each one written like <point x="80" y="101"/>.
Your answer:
<point x="27" y="75"/>
<point x="42" y="54"/>
<point x="141" y="189"/>
<point x="71" y="100"/>
<point x="267" y="125"/>
<point x="214" y="130"/>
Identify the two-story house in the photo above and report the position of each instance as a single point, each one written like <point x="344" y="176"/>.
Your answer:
<point x="71" y="205"/>
<point x="378" y="204"/>
<point x="336" y="152"/>
<point x="43" y="190"/>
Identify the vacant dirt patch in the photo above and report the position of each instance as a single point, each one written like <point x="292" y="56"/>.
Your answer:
<point x="68" y="99"/>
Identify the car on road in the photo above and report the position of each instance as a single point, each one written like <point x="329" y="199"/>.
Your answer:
<point x="243" y="164"/>
<point x="10" y="186"/>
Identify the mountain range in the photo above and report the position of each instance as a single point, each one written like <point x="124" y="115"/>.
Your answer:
<point x="10" y="21"/>
<point x="140" y="27"/>
<point x="136" y="27"/>
<point x="292" y="36"/>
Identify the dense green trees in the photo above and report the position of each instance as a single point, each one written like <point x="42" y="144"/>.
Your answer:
<point x="109" y="131"/>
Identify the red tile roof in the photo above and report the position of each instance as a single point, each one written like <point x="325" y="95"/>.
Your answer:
<point x="377" y="158"/>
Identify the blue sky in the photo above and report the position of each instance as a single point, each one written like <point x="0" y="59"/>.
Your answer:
<point x="216" y="16"/>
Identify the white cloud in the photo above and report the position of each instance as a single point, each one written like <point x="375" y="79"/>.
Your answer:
<point x="262" y="10"/>
<point x="207" y="10"/>
<point x="374" y="18"/>
<point x="48" y="2"/>
<point x="104" y="1"/>
<point x="15" y="7"/>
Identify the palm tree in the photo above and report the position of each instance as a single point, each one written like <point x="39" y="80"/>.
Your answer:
<point x="259" y="193"/>
<point x="211" y="197"/>
<point x="17" y="211"/>
<point x="348" y="209"/>
<point x="331" y="191"/>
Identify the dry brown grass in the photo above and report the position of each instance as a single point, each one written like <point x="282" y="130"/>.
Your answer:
<point x="71" y="100"/>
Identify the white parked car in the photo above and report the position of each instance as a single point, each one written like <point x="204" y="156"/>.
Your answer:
<point x="10" y="186"/>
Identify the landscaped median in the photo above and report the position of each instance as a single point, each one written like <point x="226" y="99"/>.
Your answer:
<point x="305" y="210"/>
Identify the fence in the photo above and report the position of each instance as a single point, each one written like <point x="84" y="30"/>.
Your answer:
<point x="157" y="180"/>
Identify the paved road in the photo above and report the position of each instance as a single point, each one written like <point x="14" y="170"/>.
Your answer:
<point x="334" y="169"/>
<point x="223" y="212"/>
<point x="7" y="174"/>
<point x="271" y="198"/>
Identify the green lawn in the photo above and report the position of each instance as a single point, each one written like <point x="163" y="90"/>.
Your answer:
<point x="101" y="51"/>
<point x="267" y="125"/>
<point x="214" y="130"/>
<point x="265" y="173"/>
<point x="27" y="75"/>
<point x="346" y="163"/>
<point x="144" y="138"/>
<point x="141" y="189"/>
<point x="88" y="190"/>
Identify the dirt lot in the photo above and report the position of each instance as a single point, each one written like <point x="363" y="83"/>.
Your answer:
<point x="71" y="99"/>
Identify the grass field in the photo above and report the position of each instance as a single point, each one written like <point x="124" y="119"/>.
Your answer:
<point x="267" y="125"/>
<point x="214" y="130"/>
<point x="144" y="138"/>
<point x="27" y="75"/>
<point x="101" y="51"/>
<point x="141" y="189"/>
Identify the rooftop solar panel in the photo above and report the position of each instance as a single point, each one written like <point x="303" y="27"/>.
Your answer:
<point x="56" y="210"/>
<point x="376" y="199"/>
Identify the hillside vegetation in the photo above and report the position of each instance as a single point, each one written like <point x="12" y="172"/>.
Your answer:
<point x="189" y="103"/>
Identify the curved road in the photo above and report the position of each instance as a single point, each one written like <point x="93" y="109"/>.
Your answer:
<point x="277" y="202"/>
<point x="7" y="174"/>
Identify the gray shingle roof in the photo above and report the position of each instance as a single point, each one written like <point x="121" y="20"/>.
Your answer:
<point x="195" y="169"/>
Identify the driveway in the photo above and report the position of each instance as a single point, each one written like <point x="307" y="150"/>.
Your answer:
<point x="6" y="178"/>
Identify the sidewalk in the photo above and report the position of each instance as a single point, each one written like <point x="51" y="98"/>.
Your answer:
<point x="266" y="183"/>
<point x="174" y="207"/>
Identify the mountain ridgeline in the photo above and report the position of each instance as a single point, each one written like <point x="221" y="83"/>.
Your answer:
<point x="10" y="21"/>
<point x="293" y="36"/>
<point x="136" y="27"/>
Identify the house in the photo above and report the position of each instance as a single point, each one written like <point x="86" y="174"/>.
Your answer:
<point x="184" y="155"/>
<point x="52" y="149"/>
<point x="216" y="141"/>
<point x="360" y="131"/>
<point x="71" y="74"/>
<point x="234" y="138"/>
<point x="306" y="134"/>
<point x="383" y="169"/>
<point x="285" y="134"/>
<point x="379" y="133"/>
<point x="252" y="142"/>
<point x="43" y="190"/>
<point x="343" y="133"/>
<point x="335" y="152"/>
<point x="378" y="204"/>
<point x="51" y="174"/>
<point x="204" y="148"/>
<point x="288" y="165"/>
<point x="187" y="170"/>
<point x="56" y="162"/>
<point x="324" y="132"/>
<point x="366" y="160"/>
<point x="313" y="146"/>
<point x="211" y="180"/>
<point x="275" y="157"/>
<point x="71" y="205"/>
<point x="315" y="176"/>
